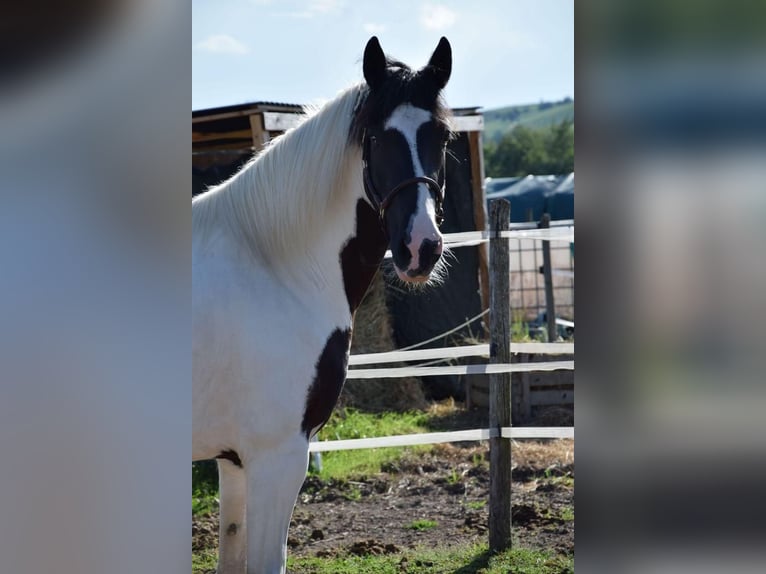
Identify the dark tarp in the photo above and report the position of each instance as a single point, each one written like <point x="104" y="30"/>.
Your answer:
<point x="533" y="195"/>
<point x="560" y="201"/>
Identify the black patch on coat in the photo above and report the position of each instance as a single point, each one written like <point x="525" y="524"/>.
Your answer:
<point x="231" y="456"/>
<point x="328" y="381"/>
<point x="362" y="254"/>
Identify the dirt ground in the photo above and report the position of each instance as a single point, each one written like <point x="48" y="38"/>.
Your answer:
<point x="445" y="489"/>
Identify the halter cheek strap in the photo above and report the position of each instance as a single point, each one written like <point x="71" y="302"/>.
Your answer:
<point x="381" y="202"/>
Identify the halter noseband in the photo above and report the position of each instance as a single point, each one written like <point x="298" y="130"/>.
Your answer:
<point x="382" y="204"/>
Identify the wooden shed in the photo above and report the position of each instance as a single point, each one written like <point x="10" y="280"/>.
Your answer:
<point x="225" y="138"/>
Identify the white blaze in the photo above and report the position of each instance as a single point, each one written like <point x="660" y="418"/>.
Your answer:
<point x="407" y="119"/>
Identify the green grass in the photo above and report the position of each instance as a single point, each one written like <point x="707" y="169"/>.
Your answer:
<point x="520" y="329"/>
<point x="467" y="559"/>
<point x="338" y="465"/>
<point x="350" y="424"/>
<point x="204" y="488"/>
<point x="500" y="121"/>
<point x="476" y="504"/>
<point x="567" y="514"/>
<point x="567" y="480"/>
<point x="457" y="560"/>
<point x="204" y="562"/>
<point x="422" y="524"/>
<point x="204" y="502"/>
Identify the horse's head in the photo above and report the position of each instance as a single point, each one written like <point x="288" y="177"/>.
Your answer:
<point x="404" y="132"/>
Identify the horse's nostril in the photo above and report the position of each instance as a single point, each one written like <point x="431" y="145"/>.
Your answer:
<point x="435" y="255"/>
<point x="430" y="251"/>
<point x="402" y="255"/>
<point x="439" y="248"/>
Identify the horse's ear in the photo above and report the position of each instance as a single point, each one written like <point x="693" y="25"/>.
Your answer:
<point x="374" y="63"/>
<point x="440" y="64"/>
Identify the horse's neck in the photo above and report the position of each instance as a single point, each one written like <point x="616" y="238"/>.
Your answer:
<point x="338" y="259"/>
<point x="282" y="201"/>
<point x="339" y="264"/>
<point x="299" y="210"/>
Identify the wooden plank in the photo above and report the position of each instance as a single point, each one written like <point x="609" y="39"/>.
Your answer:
<point x="258" y="108"/>
<point x="281" y="121"/>
<point x="459" y="123"/>
<point x="222" y="153"/>
<point x="544" y="384"/>
<point x="526" y="403"/>
<point x="223" y="116"/>
<point x="204" y="159"/>
<point x="243" y="145"/>
<point x="468" y="123"/>
<point x="469" y="396"/>
<point x="260" y="136"/>
<point x="480" y="395"/>
<point x="549" y="398"/>
<point x="500" y="383"/>
<point x="479" y="210"/>
<point x="198" y="137"/>
<point x="550" y="307"/>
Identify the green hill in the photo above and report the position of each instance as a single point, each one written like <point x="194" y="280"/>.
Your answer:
<point x="501" y="120"/>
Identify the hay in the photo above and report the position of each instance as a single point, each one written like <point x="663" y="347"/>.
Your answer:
<point x="373" y="333"/>
<point x="543" y="454"/>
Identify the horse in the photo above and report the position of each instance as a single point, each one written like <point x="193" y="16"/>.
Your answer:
<point x="282" y="255"/>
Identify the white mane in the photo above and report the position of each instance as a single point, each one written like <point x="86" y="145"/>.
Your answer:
<point x="280" y="198"/>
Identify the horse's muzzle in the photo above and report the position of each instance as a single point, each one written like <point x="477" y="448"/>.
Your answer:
<point x="423" y="260"/>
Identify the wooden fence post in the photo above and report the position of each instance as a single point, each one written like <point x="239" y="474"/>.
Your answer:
<point x="499" y="384"/>
<point x="550" y="307"/>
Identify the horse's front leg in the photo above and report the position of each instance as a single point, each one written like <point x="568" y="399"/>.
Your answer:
<point x="274" y="478"/>
<point x="232" y="541"/>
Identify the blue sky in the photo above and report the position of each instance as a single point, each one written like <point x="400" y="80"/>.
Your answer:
<point x="505" y="52"/>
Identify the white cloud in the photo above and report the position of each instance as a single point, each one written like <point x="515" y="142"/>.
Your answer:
<point x="373" y="28"/>
<point x="437" y="16"/>
<point x="222" y="44"/>
<point x="318" y="7"/>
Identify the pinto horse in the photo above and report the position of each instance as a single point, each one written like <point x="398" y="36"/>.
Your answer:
<point x="283" y="253"/>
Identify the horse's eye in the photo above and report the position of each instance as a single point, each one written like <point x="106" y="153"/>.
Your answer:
<point x="373" y="141"/>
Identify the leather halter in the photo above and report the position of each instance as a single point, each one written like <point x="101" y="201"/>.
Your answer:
<point x="381" y="202"/>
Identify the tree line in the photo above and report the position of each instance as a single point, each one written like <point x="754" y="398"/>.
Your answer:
<point x="524" y="151"/>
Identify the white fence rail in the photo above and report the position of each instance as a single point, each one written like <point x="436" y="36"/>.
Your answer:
<point x="457" y="353"/>
<point x="472" y="238"/>
<point x="397" y="372"/>
<point x="443" y="437"/>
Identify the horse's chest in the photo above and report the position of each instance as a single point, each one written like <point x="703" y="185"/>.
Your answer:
<point x="327" y="383"/>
